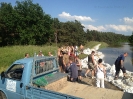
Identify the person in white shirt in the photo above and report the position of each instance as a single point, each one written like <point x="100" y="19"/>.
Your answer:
<point x="100" y="74"/>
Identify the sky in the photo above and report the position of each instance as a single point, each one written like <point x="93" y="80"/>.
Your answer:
<point x="101" y="15"/>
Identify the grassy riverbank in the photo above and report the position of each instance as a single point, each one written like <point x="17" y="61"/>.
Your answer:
<point x="90" y="45"/>
<point x="9" y="54"/>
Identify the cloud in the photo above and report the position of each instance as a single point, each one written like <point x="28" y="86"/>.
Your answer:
<point x="75" y="17"/>
<point x="126" y="27"/>
<point x="122" y="28"/>
<point x="91" y="27"/>
<point x="111" y="27"/>
<point x="128" y="20"/>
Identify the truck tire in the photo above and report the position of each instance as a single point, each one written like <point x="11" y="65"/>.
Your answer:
<point x="2" y="95"/>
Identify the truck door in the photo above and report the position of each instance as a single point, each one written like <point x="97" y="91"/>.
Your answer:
<point x="12" y="83"/>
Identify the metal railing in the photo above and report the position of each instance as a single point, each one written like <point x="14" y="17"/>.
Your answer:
<point x="43" y="65"/>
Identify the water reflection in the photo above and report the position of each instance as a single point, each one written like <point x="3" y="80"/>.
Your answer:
<point x="112" y="53"/>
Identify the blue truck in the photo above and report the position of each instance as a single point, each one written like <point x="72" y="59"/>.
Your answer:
<point x="27" y="78"/>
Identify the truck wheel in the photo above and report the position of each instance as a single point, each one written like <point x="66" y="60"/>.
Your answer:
<point x="2" y="95"/>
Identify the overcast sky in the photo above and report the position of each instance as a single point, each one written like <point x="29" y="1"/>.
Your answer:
<point x="101" y="15"/>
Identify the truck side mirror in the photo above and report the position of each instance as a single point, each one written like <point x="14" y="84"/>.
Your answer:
<point x="3" y="75"/>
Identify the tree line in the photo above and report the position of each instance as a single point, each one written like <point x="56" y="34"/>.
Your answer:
<point x="131" y="39"/>
<point x="27" y="24"/>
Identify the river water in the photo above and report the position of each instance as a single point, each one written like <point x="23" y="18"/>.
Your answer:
<point x="112" y="53"/>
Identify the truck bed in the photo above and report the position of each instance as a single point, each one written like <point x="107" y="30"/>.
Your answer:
<point x="38" y="93"/>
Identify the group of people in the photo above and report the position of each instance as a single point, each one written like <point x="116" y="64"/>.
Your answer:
<point x="39" y="54"/>
<point x="70" y="63"/>
<point x="98" y="69"/>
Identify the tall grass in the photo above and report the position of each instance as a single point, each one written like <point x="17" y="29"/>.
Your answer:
<point x="9" y="54"/>
<point x="91" y="44"/>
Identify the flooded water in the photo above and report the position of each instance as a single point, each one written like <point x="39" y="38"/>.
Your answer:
<point x="112" y="53"/>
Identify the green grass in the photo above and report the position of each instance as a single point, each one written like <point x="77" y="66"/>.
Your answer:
<point x="9" y="54"/>
<point x="90" y="45"/>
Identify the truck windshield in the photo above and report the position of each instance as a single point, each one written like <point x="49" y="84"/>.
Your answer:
<point x="15" y="72"/>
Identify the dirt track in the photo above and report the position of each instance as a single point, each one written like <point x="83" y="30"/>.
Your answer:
<point x="92" y="82"/>
<point x="88" y="91"/>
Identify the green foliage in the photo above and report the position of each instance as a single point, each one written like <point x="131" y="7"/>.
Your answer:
<point x="71" y="33"/>
<point x="92" y="43"/>
<point x="131" y="39"/>
<point x="9" y="54"/>
<point x="34" y="25"/>
<point x="108" y="37"/>
<point x="6" y="23"/>
<point x="27" y="24"/>
<point x="82" y="56"/>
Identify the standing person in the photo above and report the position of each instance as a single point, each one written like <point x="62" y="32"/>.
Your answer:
<point x="119" y="64"/>
<point x="26" y="55"/>
<point x="72" y="51"/>
<point x="65" y="60"/>
<point x="78" y="63"/>
<point x="91" y="64"/>
<point x="69" y="50"/>
<point x="100" y="74"/>
<point x="76" y="50"/>
<point x="60" y="57"/>
<point x="58" y="52"/>
<point x="73" y="70"/>
<point x="81" y="48"/>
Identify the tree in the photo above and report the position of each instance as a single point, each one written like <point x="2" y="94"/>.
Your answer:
<point x="131" y="38"/>
<point x="7" y="25"/>
<point x="33" y="25"/>
<point x="71" y="33"/>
